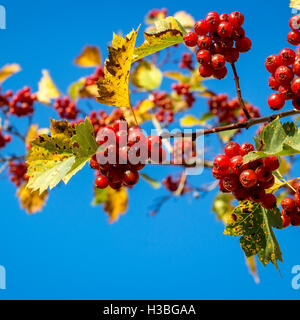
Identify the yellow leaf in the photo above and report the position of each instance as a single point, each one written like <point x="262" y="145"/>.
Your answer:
<point x="8" y="70"/>
<point x="190" y="121"/>
<point x="89" y="91"/>
<point x="185" y="19"/>
<point x="166" y="33"/>
<point x="141" y="112"/>
<point x="251" y="264"/>
<point x="89" y="57"/>
<point x="295" y="4"/>
<point x="47" y="89"/>
<point x="285" y="166"/>
<point x="146" y="76"/>
<point x="33" y="133"/>
<point x="116" y="203"/>
<point x="113" y="89"/>
<point x="30" y="200"/>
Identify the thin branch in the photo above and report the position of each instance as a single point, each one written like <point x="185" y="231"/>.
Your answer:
<point x="239" y="93"/>
<point x="11" y="158"/>
<point x="240" y="125"/>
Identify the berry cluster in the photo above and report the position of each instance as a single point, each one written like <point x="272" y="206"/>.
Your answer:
<point x="66" y="108"/>
<point x="4" y="97"/>
<point x="291" y="210"/>
<point x="294" y="35"/>
<point x="172" y="184"/>
<point x="163" y="103"/>
<point x="186" y="61"/>
<point x="228" y="110"/>
<point x="130" y="149"/>
<point x="246" y="181"/>
<point x="21" y="104"/>
<point x="17" y="171"/>
<point x="92" y="79"/>
<point x="215" y="37"/>
<point x="4" y="139"/>
<point x="184" y="89"/>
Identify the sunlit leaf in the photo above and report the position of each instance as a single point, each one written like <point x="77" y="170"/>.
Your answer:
<point x="100" y="196"/>
<point x="295" y="4"/>
<point x="223" y="207"/>
<point x="33" y="132"/>
<point x="89" y="57"/>
<point x="185" y="19"/>
<point x="113" y="89"/>
<point x="47" y="89"/>
<point x="191" y="121"/>
<point x="75" y="88"/>
<point x="31" y="201"/>
<point x="116" y="203"/>
<point x="141" y="111"/>
<point x="146" y="76"/>
<point x="8" y="70"/>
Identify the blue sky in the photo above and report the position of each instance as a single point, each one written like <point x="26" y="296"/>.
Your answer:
<point x="69" y="251"/>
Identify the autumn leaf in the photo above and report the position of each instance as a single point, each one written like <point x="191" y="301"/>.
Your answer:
<point x="8" y="70"/>
<point x="167" y="32"/>
<point x="58" y="157"/>
<point x="47" y="89"/>
<point x="75" y="88"/>
<point x="190" y="121"/>
<point x="141" y="112"/>
<point x="193" y="79"/>
<point x="146" y="76"/>
<point x="114" y="88"/>
<point x="31" y="201"/>
<point x="185" y="19"/>
<point x="89" y="57"/>
<point x="295" y="4"/>
<point x="223" y="207"/>
<point x="32" y="133"/>
<point x="116" y="203"/>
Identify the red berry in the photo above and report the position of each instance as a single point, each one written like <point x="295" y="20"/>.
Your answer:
<point x="285" y="91"/>
<point x="190" y="39"/>
<point x="221" y="186"/>
<point x="204" y="42"/>
<point x="206" y="70"/>
<point x="245" y="148"/>
<point x="248" y="178"/>
<point x="153" y="141"/>
<point x="257" y="194"/>
<point x="296" y="104"/>
<point x="294" y="22"/>
<point x="231" y="182"/>
<point x="238" y="34"/>
<point x="288" y="204"/>
<point x="297" y="199"/>
<point x="286" y="220"/>
<point x="236" y="164"/>
<point x="272" y="63"/>
<point x="201" y="28"/>
<point x="225" y="29"/>
<point x="273" y="84"/>
<point x="271" y="163"/>
<point x="220" y="73"/>
<point x="221" y="162"/>
<point x="101" y="182"/>
<point x="296" y="67"/>
<point x="295" y="86"/>
<point x="236" y="19"/>
<point x="231" y="55"/>
<point x="276" y="101"/>
<point x="293" y="37"/>
<point x="94" y="163"/>
<point x="287" y="56"/>
<point x="241" y="194"/>
<point x="269" y="201"/>
<point x="203" y="56"/>
<point x="130" y="177"/>
<point x="218" y="61"/>
<point x="224" y="17"/>
<point x="243" y="45"/>
<point x="232" y="149"/>
<point x="269" y="184"/>
<point x="219" y="174"/>
<point x="263" y="175"/>
<point x="212" y="21"/>
<point x="284" y="75"/>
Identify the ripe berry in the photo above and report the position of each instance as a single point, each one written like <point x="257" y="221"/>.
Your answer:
<point x="257" y="194"/>
<point x="268" y="184"/>
<point x="219" y="174"/>
<point x="221" y="186"/>
<point x="238" y="33"/>
<point x="236" y="19"/>
<point x="243" y="45"/>
<point x="231" y="182"/>
<point x="206" y="70"/>
<point x="263" y="175"/>
<point x="288" y="204"/>
<point x="212" y="21"/>
<point x="231" y="55"/>
<point x="232" y="149"/>
<point x="221" y="162"/>
<point x="201" y="28"/>
<point x="273" y="84"/>
<point x="224" y="17"/>
<point x="203" y="56"/>
<point x="248" y="178"/>
<point x="296" y="104"/>
<point x="269" y="201"/>
<point x="94" y="163"/>
<point x="245" y="148"/>
<point x="218" y="61"/>
<point x="130" y="177"/>
<point x="272" y="63"/>
<point x="287" y="56"/>
<point x="297" y="199"/>
<point x="295" y="86"/>
<point x="241" y="194"/>
<point x="225" y="29"/>
<point x="153" y="141"/>
<point x="276" y="101"/>
<point x="271" y="163"/>
<point x="293" y="37"/>
<point x="220" y="73"/>
<point x="294" y="22"/>
<point x="285" y="91"/>
<point x="101" y="182"/>
<point x="286" y="220"/>
<point x="190" y="39"/>
<point x="204" y="42"/>
<point x="236" y="164"/>
<point x="296" y="67"/>
<point x="284" y="75"/>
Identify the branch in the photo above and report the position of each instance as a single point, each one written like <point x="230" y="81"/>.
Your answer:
<point x="11" y="158"/>
<point x="240" y="125"/>
<point x="239" y="93"/>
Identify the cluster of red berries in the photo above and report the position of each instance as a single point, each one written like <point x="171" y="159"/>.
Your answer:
<point x="4" y="97"/>
<point x="4" y="139"/>
<point x="215" y="37"/>
<point x="92" y="79"/>
<point x="294" y="35"/>
<point x="18" y="172"/>
<point x="186" y="61"/>
<point x="66" y="108"/>
<point x="163" y="103"/>
<point x="172" y="184"/>
<point x="22" y="102"/>
<point x="291" y="210"/>
<point x="228" y="111"/>
<point x="184" y="89"/>
<point x="246" y="181"/>
<point x="127" y="152"/>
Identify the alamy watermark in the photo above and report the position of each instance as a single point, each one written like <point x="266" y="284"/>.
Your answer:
<point x="2" y="278"/>
<point x="296" y="278"/>
<point x="2" y="17"/>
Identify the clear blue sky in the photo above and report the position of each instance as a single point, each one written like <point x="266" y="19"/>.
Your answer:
<point x="69" y="251"/>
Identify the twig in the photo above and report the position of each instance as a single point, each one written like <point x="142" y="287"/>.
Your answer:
<point x="11" y="158"/>
<point x="239" y="93"/>
<point x="240" y="125"/>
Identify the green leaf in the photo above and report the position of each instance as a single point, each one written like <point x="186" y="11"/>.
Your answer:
<point x="167" y="32"/>
<point x="61" y="155"/>
<point x="74" y="89"/>
<point x="146" y="76"/>
<point x="226" y="136"/>
<point x="100" y="196"/>
<point x="255" y="226"/>
<point x="223" y="207"/>
<point x="154" y="183"/>
<point x="276" y="139"/>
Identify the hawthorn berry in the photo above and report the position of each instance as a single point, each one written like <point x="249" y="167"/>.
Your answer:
<point x="294" y="22"/>
<point x="284" y="75"/>
<point x="271" y="163"/>
<point x="293" y="37"/>
<point x="287" y="56"/>
<point x="245" y="148"/>
<point x="248" y="178"/>
<point x="206" y="70"/>
<point x="243" y="45"/>
<point x="203" y="56"/>
<point x="295" y="86"/>
<point x="288" y="204"/>
<point x="225" y="29"/>
<point x="212" y="21"/>
<point x="269" y="201"/>
<point x="101" y="182"/>
<point x="221" y="162"/>
<point x="220" y="73"/>
<point x="276" y="101"/>
<point x="218" y="61"/>
<point x="263" y="175"/>
<point x="236" y="19"/>
<point x="232" y="149"/>
<point x="130" y="177"/>
<point x="201" y="28"/>
<point x="190" y="39"/>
